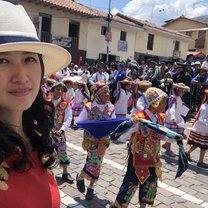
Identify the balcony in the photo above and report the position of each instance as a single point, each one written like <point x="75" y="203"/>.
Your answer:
<point x="69" y="42"/>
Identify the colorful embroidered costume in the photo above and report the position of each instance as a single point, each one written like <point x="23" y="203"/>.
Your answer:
<point x="82" y="95"/>
<point x="95" y="147"/>
<point x="19" y="189"/>
<point x="144" y="166"/>
<point x="199" y="132"/>
<point x="63" y="120"/>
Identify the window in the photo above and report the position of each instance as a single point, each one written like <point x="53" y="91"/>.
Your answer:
<point x="202" y="34"/>
<point x="103" y="30"/>
<point x="73" y="29"/>
<point x="123" y="36"/>
<point x="177" y="46"/>
<point x="189" y="33"/>
<point x="150" y="42"/>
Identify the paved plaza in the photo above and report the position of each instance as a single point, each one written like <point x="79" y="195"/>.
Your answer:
<point x="190" y="190"/>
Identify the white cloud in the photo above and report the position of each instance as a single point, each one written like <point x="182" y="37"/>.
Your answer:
<point x="114" y="11"/>
<point x="158" y="11"/>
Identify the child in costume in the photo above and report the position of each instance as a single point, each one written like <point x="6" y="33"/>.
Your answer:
<point x="144" y="166"/>
<point x="100" y="108"/>
<point x="175" y="111"/>
<point x="124" y="94"/>
<point x="82" y="95"/>
<point x="199" y="134"/>
<point x="140" y="103"/>
<point x="70" y="89"/>
<point x="63" y="115"/>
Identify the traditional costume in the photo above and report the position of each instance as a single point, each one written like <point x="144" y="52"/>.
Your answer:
<point x="82" y="95"/>
<point x="63" y="118"/>
<point x="176" y="110"/>
<point x="175" y="113"/>
<point x="95" y="110"/>
<point x="139" y="102"/>
<point x="199" y="133"/>
<point x="121" y="103"/>
<point x="144" y="166"/>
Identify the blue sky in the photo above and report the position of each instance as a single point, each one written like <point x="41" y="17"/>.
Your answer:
<point x="155" y="11"/>
<point x="104" y="4"/>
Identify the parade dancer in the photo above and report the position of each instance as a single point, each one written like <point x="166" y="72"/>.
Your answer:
<point x="140" y="103"/>
<point x="100" y="108"/>
<point x="63" y="115"/>
<point x="124" y="94"/>
<point x="199" y="134"/>
<point x="82" y="96"/>
<point x="175" y="112"/>
<point x="144" y="165"/>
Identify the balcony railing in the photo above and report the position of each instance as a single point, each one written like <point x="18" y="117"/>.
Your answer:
<point x="45" y="37"/>
<point x="72" y="41"/>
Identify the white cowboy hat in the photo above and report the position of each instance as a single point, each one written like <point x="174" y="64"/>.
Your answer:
<point x="72" y="78"/>
<point x="181" y="86"/>
<point x="17" y="33"/>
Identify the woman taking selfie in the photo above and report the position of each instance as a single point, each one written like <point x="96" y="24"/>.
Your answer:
<point x="26" y="153"/>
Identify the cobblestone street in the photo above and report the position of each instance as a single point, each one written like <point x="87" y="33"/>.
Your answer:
<point x="190" y="190"/>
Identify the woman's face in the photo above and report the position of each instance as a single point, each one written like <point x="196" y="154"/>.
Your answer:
<point x="20" y="75"/>
<point x="58" y="92"/>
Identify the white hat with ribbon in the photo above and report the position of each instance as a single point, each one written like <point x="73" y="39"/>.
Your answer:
<point x="18" y="33"/>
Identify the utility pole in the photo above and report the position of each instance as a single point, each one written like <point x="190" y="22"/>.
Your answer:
<point x="108" y="35"/>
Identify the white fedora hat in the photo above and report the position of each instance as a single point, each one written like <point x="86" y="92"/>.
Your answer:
<point x="18" y="33"/>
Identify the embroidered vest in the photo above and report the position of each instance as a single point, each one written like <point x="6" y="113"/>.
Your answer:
<point x="146" y="148"/>
<point x="60" y="113"/>
<point x="95" y="113"/>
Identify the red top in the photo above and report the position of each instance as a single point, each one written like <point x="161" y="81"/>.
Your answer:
<point x="35" y="188"/>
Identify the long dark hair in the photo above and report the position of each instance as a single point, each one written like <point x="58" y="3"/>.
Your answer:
<point x="37" y="123"/>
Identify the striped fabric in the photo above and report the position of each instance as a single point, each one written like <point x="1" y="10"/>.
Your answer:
<point x="174" y="127"/>
<point x="198" y="139"/>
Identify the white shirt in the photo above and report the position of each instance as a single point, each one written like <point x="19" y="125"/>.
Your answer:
<point x="121" y="104"/>
<point x="70" y="94"/>
<point x="201" y="125"/>
<point x="175" y="111"/>
<point x="67" y="117"/>
<point x="79" y="97"/>
<point x="98" y="77"/>
<point x="62" y="73"/>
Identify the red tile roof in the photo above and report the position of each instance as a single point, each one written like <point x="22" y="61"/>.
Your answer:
<point x="183" y="17"/>
<point x="151" y="25"/>
<point x="75" y="7"/>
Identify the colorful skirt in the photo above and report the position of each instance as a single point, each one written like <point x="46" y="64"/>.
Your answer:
<point x="198" y="139"/>
<point x="95" y="153"/>
<point x="61" y="148"/>
<point x="174" y="127"/>
<point x="76" y="108"/>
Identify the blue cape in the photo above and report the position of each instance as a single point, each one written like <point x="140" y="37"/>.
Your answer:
<point x="101" y="128"/>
